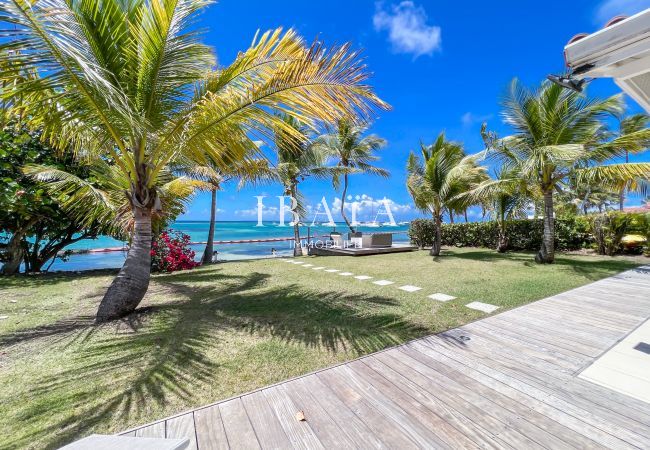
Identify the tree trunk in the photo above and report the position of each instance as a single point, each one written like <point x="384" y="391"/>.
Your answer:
<point x="465" y="212"/>
<point x="546" y="254"/>
<point x="15" y="253"/>
<point x="502" y="245"/>
<point x="209" y="246"/>
<point x="130" y="285"/>
<point x="621" y="201"/>
<point x="451" y="216"/>
<point x="297" y="248"/>
<point x="437" y="239"/>
<point x="345" y="190"/>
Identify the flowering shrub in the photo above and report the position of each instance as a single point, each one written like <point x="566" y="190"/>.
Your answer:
<point x="170" y="252"/>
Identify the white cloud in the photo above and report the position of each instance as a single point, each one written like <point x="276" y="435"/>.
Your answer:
<point x="468" y="119"/>
<point x="407" y="28"/>
<point x="610" y="8"/>
<point x="368" y="206"/>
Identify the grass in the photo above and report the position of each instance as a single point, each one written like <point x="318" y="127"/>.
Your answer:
<point x="226" y="329"/>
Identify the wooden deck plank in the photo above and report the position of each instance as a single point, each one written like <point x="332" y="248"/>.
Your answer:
<point x="513" y="385"/>
<point x="266" y="424"/>
<point x="432" y="421"/>
<point x="182" y="427"/>
<point x="210" y="432"/>
<point x="481" y="406"/>
<point x="419" y="433"/>
<point x="299" y="432"/>
<point x="328" y="431"/>
<point x="239" y="430"/>
<point x="563" y="412"/>
<point x="155" y="430"/>
<point x="346" y="419"/>
<point x="557" y="382"/>
<point x="390" y="435"/>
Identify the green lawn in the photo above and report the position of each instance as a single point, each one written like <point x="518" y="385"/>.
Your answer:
<point x="222" y="330"/>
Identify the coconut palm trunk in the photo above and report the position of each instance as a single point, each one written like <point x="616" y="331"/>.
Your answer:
<point x="546" y="253"/>
<point x="345" y="190"/>
<point x="128" y="288"/>
<point x="437" y="239"/>
<point x="297" y="248"/>
<point x="209" y="246"/>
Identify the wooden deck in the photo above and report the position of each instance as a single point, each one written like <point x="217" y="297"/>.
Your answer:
<point x="513" y="384"/>
<point x="352" y="251"/>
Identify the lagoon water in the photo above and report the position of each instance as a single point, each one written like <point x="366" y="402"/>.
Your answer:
<point x="198" y="232"/>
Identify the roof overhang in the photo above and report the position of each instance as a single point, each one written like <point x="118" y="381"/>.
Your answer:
<point x="620" y="51"/>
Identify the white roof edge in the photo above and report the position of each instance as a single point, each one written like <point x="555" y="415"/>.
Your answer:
<point x="604" y="43"/>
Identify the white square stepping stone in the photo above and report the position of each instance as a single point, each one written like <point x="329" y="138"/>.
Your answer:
<point x="362" y="277"/>
<point x="485" y="307"/>
<point x="441" y="297"/>
<point x="308" y="265"/>
<point x="409" y="288"/>
<point x="332" y="270"/>
<point x="299" y="262"/>
<point x="383" y="282"/>
<point x="346" y="274"/>
<point x="318" y="268"/>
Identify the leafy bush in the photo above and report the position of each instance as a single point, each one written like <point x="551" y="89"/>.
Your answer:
<point x="170" y="252"/>
<point x="610" y="228"/>
<point x="571" y="234"/>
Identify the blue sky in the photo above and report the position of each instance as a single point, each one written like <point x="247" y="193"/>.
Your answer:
<point x="442" y="65"/>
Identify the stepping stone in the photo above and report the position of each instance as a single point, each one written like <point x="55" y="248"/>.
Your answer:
<point x="4" y="317"/>
<point x="299" y="262"/>
<point x="362" y="277"/>
<point x="346" y="274"/>
<point x="383" y="282"/>
<point x="441" y="297"/>
<point x="485" y="307"/>
<point x="332" y="270"/>
<point x="409" y="288"/>
<point x="308" y="265"/>
<point x="317" y="268"/>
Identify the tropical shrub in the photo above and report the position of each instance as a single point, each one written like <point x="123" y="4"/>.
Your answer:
<point x="170" y="252"/>
<point x="615" y="231"/>
<point x="570" y="234"/>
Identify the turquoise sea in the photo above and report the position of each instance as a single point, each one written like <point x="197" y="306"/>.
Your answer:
<point x="198" y="232"/>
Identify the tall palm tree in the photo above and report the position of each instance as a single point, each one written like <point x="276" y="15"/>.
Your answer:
<point x="353" y="153"/>
<point x="557" y="131"/>
<point x="630" y="125"/>
<point x="298" y="159"/>
<point x="211" y="178"/>
<point x="438" y="176"/>
<point x="131" y="82"/>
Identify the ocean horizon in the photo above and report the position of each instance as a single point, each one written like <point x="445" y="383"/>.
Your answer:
<point x="225" y="230"/>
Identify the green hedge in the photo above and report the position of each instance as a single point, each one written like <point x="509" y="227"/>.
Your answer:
<point x="571" y="234"/>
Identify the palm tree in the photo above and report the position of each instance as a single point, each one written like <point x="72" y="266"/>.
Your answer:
<point x="131" y="82"/>
<point x="437" y="178"/>
<point x="627" y="126"/>
<point x="506" y="197"/>
<point x="556" y="132"/>
<point x="211" y="178"/>
<point x="353" y="154"/>
<point x="298" y="159"/>
<point x="100" y="198"/>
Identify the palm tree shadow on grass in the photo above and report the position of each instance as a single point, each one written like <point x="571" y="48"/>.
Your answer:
<point x="168" y="343"/>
